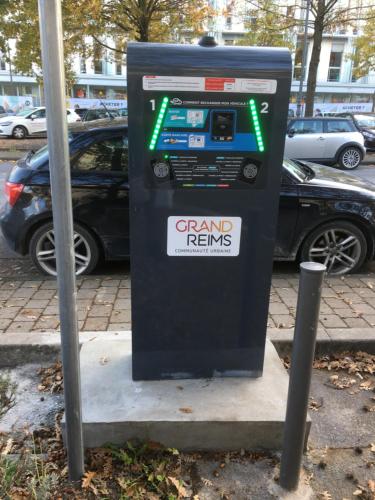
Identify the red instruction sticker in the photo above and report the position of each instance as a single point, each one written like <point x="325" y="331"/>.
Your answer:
<point x="219" y="84"/>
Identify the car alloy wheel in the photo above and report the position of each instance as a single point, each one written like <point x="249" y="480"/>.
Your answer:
<point x="19" y="133"/>
<point x="45" y="252"/>
<point x="338" y="249"/>
<point x="351" y="158"/>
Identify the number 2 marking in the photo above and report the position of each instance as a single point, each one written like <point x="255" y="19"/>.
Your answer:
<point x="152" y="101"/>
<point x="264" y="108"/>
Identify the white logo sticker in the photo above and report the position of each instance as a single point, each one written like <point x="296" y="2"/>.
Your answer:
<point x="203" y="236"/>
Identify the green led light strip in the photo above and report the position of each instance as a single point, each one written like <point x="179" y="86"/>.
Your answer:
<point x="159" y="121"/>
<point x="258" y="132"/>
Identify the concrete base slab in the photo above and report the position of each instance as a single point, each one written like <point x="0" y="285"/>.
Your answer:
<point x="214" y="414"/>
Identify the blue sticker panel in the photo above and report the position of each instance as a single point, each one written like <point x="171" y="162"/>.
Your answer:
<point x="185" y="118"/>
<point x="169" y="141"/>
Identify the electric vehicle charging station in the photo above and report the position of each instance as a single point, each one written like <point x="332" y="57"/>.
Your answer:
<point x="206" y="139"/>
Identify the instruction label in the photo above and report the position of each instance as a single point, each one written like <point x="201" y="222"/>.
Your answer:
<point x="209" y="84"/>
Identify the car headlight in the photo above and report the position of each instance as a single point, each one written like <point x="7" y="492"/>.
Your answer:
<point x="5" y="124"/>
<point x="368" y="135"/>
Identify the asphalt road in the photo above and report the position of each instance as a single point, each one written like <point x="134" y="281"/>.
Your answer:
<point x="12" y="264"/>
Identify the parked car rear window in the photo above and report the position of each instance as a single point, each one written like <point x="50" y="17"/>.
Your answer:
<point x="307" y="127"/>
<point x="105" y="156"/>
<point x="339" y="126"/>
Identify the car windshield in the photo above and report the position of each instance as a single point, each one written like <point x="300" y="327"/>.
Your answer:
<point x="25" y="112"/>
<point x="365" y="120"/>
<point x="296" y="170"/>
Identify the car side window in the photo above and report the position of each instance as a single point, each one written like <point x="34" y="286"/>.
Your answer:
<point x="110" y="155"/>
<point x="39" y="113"/>
<point x="339" y="126"/>
<point x="307" y="127"/>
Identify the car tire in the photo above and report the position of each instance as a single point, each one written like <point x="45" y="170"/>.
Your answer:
<point x="19" y="132"/>
<point x="340" y="245"/>
<point x="350" y="158"/>
<point x="42" y="250"/>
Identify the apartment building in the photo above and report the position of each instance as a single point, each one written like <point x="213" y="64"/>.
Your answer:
<point x="337" y="89"/>
<point x="98" y="77"/>
<point x="103" y="76"/>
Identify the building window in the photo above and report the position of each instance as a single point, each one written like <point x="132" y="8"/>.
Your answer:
<point x="98" y="59"/>
<point x="228" y="42"/>
<point x="335" y="61"/>
<point x="79" y="91"/>
<point x="98" y="66"/>
<point x="228" y="21"/>
<point x="82" y="65"/>
<point x="98" y="92"/>
<point x="2" y="65"/>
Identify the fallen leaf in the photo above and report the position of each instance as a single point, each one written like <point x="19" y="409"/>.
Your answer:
<point x="87" y="479"/>
<point x="206" y="482"/>
<point x="186" y="410"/>
<point x="357" y="492"/>
<point x="180" y="489"/>
<point x="104" y="360"/>
<point x="325" y="495"/>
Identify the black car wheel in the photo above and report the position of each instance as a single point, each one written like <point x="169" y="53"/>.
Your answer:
<point x="19" y="132"/>
<point x="350" y="158"/>
<point x="43" y="252"/>
<point x="339" y="245"/>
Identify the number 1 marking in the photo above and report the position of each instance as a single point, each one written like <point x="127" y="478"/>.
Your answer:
<point x="152" y="101"/>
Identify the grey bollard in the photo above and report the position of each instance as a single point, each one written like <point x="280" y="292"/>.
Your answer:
<point x="308" y="304"/>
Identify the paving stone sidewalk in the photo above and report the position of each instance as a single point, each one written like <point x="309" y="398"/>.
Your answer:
<point x="104" y="303"/>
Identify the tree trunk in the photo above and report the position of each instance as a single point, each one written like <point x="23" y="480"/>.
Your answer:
<point x="315" y="58"/>
<point x="144" y="29"/>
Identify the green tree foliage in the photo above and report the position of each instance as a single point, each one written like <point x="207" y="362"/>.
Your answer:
<point x="141" y="20"/>
<point x="19" y="21"/>
<point x="325" y="16"/>
<point x="364" y="56"/>
<point x="266" y="26"/>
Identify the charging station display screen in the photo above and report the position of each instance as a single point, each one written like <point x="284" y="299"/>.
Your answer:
<point x="207" y="132"/>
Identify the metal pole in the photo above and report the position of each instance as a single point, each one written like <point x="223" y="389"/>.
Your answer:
<point x="307" y="316"/>
<point x="50" y="23"/>
<point x="304" y="57"/>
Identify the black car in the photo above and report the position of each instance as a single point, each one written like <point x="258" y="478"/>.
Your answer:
<point x="81" y="111"/>
<point x="325" y="215"/>
<point x="365" y="123"/>
<point x="99" y="114"/>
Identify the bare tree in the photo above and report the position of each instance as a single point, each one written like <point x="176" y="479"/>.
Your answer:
<point x="326" y="16"/>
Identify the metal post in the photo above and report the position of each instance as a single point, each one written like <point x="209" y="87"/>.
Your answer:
<point x="50" y="23"/>
<point x="307" y="316"/>
<point x="304" y="57"/>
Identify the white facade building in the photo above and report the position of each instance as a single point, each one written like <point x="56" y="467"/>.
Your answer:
<point x="336" y="87"/>
<point x="105" y="76"/>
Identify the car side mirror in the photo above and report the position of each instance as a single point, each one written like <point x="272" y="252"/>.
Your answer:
<point x="291" y="132"/>
<point x="32" y="117"/>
